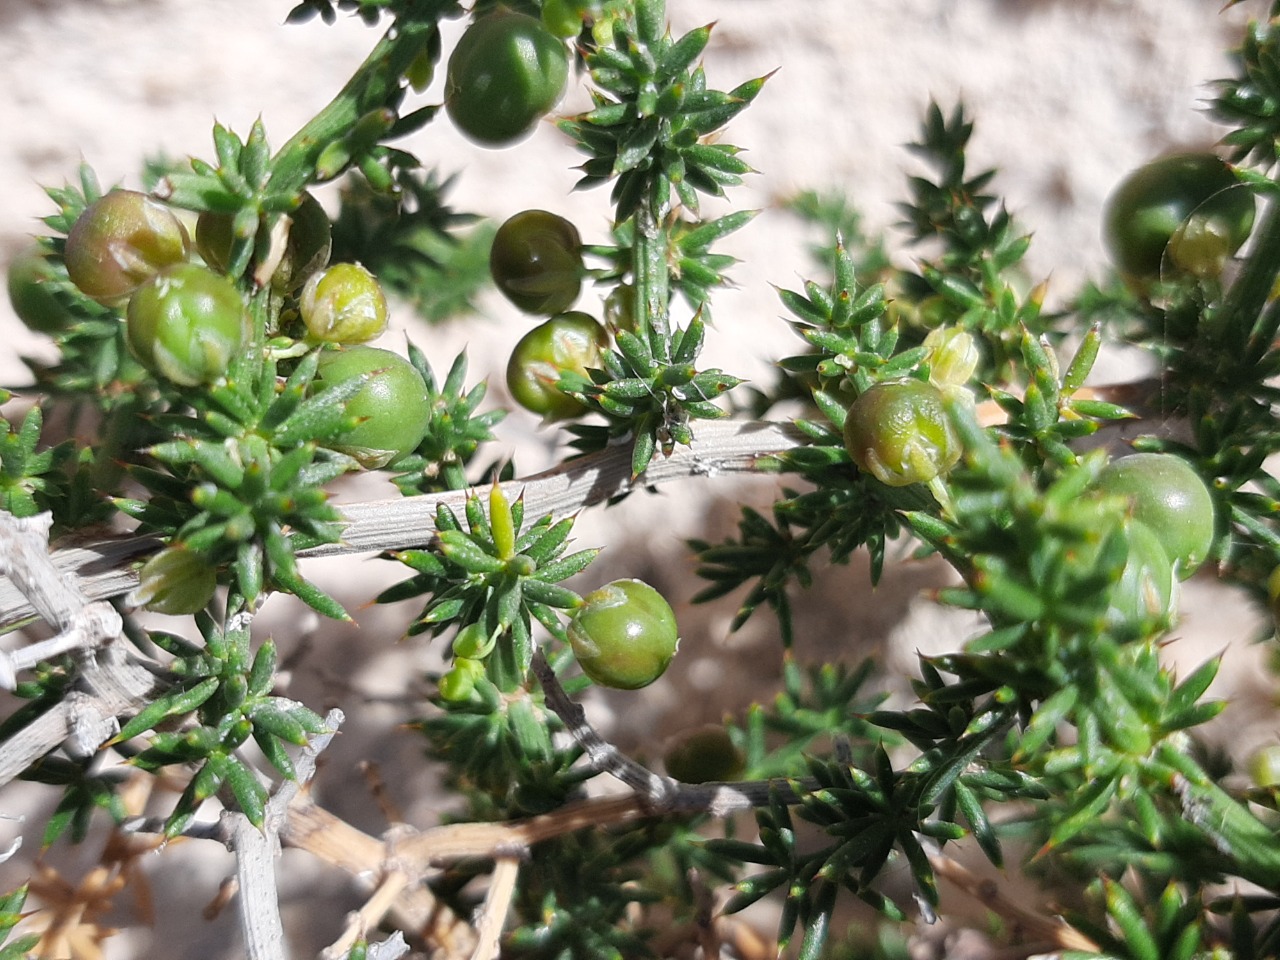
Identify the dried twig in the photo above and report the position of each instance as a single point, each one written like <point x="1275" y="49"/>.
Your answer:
<point x="497" y="903"/>
<point x="110" y="681"/>
<point x="371" y="860"/>
<point x="360" y="922"/>
<point x="256" y="849"/>
<point x="720" y="447"/>
<point x="659" y="794"/>
<point x="1048" y="932"/>
<point x="391" y="948"/>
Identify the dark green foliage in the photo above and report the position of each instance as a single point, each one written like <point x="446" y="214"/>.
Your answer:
<point x="418" y="247"/>
<point x="651" y="114"/>
<point x="454" y="434"/>
<point x="496" y="573"/>
<point x="1058" y="726"/>
<point x="245" y="469"/>
<point x="651" y="397"/>
<point x="224" y="687"/>
<point x="29" y="480"/>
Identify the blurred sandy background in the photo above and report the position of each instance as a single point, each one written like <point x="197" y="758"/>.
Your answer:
<point x="1068" y="95"/>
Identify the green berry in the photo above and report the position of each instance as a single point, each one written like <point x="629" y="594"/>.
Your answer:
<point x="900" y="433"/>
<point x="187" y="324"/>
<point x="344" y="304"/>
<point x="1169" y="496"/>
<point x="569" y="343"/>
<point x="536" y="261"/>
<point x="1147" y="590"/>
<point x="176" y="581"/>
<point x="705" y="755"/>
<point x="33" y="280"/>
<point x="624" y="635"/>
<point x="506" y="72"/>
<point x="391" y="405"/>
<point x="120" y="242"/>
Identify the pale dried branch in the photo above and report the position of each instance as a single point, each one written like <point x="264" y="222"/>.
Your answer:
<point x="81" y="624"/>
<point x="660" y="794"/>
<point x="370" y="914"/>
<point x="257" y="849"/>
<point x="497" y="904"/>
<point x="601" y="755"/>
<point x="258" y="899"/>
<point x="1049" y="933"/>
<point x="110" y="681"/>
<point x="391" y="948"/>
<point x="369" y="859"/>
<point x="256" y="852"/>
<point x="719" y="448"/>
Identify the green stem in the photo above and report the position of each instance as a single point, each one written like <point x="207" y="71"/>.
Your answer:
<point x="653" y="283"/>
<point x="1233" y="323"/>
<point x="375" y="84"/>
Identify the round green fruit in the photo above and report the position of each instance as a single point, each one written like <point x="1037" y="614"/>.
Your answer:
<point x="120" y="242"/>
<point x="1264" y="767"/>
<point x="344" y="304"/>
<point x="392" y="404"/>
<point x="187" y="324"/>
<point x="1167" y="495"/>
<point x="705" y="755"/>
<point x="1188" y="205"/>
<point x="569" y="343"/>
<point x="562" y="17"/>
<point x="1147" y="590"/>
<point x="624" y="635"/>
<point x="33" y="279"/>
<point x="177" y="581"/>
<point x="536" y="261"/>
<point x="506" y="72"/>
<point x="899" y="432"/>
<point x="306" y="248"/>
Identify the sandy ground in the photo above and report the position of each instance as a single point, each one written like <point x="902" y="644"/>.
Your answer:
<point x="1068" y="95"/>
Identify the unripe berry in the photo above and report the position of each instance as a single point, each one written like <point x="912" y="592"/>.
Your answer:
<point x="1169" y="496"/>
<point x="392" y="403"/>
<point x="624" y="635"/>
<point x="187" y="324"/>
<point x="900" y="433"/>
<point x="704" y="755"/>
<point x="176" y="581"/>
<point x="536" y="261"/>
<point x="569" y="343"/>
<point x="120" y="242"/>
<point x="344" y="304"/>
<point x="32" y="280"/>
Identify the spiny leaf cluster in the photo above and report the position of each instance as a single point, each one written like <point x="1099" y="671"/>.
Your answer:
<point x="454" y="433"/>
<point x="10" y="915"/>
<point x="495" y="573"/>
<point x="413" y="241"/>
<point x="653" y="115"/>
<point x="851" y="346"/>
<point x="503" y="752"/>
<point x="1250" y="101"/>
<point x="818" y="709"/>
<point x="694" y="269"/>
<point x="31" y="479"/>
<point x="244" y="474"/>
<point x="225" y="687"/>
<point x="94" y="365"/>
<point x="652" y="396"/>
